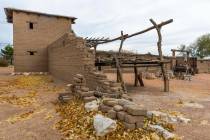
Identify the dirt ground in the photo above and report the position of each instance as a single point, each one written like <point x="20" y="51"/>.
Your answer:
<point x="24" y="120"/>
<point x="195" y="91"/>
<point x="34" y="121"/>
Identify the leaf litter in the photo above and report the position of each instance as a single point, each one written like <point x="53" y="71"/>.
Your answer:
<point x="77" y="123"/>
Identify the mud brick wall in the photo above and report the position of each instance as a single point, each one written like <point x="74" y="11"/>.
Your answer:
<point x="203" y="66"/>
<point x="46" y="30"/>
<point x="69" y="56"/>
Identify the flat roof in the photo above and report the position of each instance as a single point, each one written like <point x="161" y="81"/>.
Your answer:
<point x="9" y="14"/>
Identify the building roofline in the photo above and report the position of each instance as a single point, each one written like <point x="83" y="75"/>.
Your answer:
<point x="9" y="11"/>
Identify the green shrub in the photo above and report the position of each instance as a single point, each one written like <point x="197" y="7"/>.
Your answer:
<point x="3" y="63"/>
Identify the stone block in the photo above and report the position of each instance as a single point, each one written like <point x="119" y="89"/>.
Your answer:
<point x="112" y="95"/>
<point x="136" y="110"/>
<point x="85" y="89"/>
<point x="121" y="115"/>
<point x="140" y="124"/>
<point x="76" y="87"/>
<point x="112" y="114"/>
<point x="106" y="83"/>
<point x="86" y="94"/>
<point x="111" y="103"/>
<point x="130" y="126"/>
<point x="125" y="96"/>
<point x="124" y="102"/>
<point x="133" y="119"/>
<point x="77" y="80"/>
<point x="114" y="89"/>
<point x="105" y="100"/>
<point x="114" y="84"/>
<point x="118" y="108"/>
<point x="104" y="108"/>
<point x="89" y="99"/>
<point x="79" y="76"/>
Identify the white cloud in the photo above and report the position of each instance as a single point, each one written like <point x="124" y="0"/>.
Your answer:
<point x="108" y="17"/>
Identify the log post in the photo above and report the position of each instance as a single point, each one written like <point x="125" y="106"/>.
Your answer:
<point x="95" y="47"/>
<point x="121" y="43"/>
<point x="119" y="73"/>
<point x="140" y="78"/>
<point x="173" y="61"/>
<point x="136" y="76"/>
<point x="159" y="45"/>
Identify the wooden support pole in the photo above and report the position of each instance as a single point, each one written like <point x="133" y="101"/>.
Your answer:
<point x="173" y="61"/>
<point x="121" y="43"/>
<point x="95" y="47"/>
<point x="140" y="78"/>
<point x="119" y="73"/>
<point x="136" y="76"/>
<point x="118" y="77"/>
<point x="98" y="59"/>
<point x="159" y="44"/>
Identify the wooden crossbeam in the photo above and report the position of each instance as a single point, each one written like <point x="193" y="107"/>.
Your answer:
<point x="175" y="50"/>
<point x="138" y="33"/>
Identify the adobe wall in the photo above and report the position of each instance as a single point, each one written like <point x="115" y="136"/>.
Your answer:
<point x="69" y="56"/>
<point x="46" y="30"/>
<point x="203" y="66"/>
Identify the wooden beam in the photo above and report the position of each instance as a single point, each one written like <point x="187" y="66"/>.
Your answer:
<point x="140" y="32"/>
<point x="159" y="44"/>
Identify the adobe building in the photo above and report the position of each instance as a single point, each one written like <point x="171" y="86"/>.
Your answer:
<point x="32" y="33"/>
<point x="47" y="43"/>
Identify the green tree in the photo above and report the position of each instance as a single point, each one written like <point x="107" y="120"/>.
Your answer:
<point x="7" y="52"/>
<point x="201" y="47"/>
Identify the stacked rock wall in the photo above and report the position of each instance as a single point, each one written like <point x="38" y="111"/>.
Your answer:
<point x="131" y="114"/>
<point x="119" y="108"/>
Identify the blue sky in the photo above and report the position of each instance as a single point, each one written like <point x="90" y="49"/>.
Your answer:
<point x="108" y="17"/>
